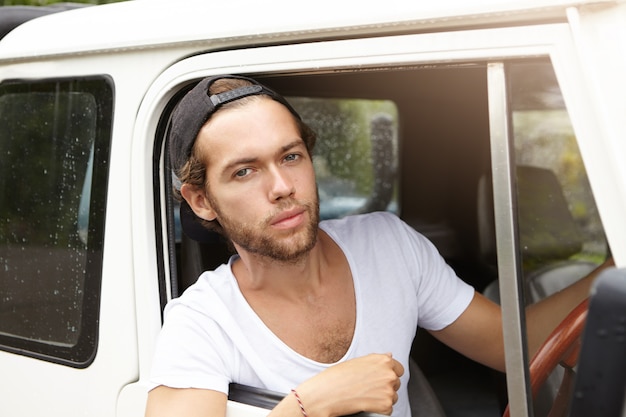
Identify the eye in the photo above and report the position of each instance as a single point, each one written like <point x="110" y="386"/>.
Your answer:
<point x="292" y="157"/>
<point x="242" y="173"/>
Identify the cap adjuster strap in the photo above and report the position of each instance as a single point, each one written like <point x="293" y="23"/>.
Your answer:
<point x="237" y="93"/>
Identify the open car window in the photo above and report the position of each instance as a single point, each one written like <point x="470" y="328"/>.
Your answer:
<point x="419" y="142"/>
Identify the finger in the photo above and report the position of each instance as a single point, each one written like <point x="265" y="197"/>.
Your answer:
<point x="398" y="368"/>
<point x="397" y="384"/>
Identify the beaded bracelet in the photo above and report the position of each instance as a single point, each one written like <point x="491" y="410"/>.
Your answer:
<point x="299" y="402"/>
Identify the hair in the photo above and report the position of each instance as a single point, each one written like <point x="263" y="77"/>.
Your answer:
<point x="193" y="172"/>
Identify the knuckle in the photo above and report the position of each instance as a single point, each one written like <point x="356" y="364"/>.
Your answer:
<point x="388" y="408"/>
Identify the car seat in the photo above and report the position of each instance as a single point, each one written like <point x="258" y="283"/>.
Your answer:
<point x="198" y="257"/>
<point x="548" y="234"/>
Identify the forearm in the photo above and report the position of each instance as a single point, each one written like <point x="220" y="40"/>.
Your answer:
<point x="544" y="316"/>
<point x="189" y="402"/>
<point x="368" y="383"/>
<point x="289" y="407"/>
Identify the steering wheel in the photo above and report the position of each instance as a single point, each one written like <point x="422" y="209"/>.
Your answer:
<point x="561" y="347"/>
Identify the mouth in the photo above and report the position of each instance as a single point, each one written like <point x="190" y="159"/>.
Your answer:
<point x="289" y="218"/>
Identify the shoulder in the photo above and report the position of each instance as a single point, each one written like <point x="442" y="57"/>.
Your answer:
<point x="363" y="222"/>
<point x="381" y="227"/>
<point x="376" y="233"/>
<point x="201" y="296"/>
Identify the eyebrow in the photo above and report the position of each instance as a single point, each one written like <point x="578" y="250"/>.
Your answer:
<point x="292" y="145"/>
<point x="244" y="161"/>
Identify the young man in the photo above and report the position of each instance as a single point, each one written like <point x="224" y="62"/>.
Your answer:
<point x="324" y="312"/>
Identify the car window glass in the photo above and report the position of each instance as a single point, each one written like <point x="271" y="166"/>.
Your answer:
<point x="52" y="180"/>
<point x="561" y="238"/>
<point x="558" y="220"/>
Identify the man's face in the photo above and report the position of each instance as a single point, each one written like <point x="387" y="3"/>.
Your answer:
<point x="261" y="181"/>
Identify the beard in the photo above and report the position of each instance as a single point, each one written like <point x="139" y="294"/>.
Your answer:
<point x="289" y="246"/>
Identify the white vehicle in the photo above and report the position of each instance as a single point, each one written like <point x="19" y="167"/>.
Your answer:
<point x="495" y="128"/>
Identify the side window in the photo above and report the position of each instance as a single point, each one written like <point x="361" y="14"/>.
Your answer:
<point x="561" y="236"/>
<point x="54" y="142"/>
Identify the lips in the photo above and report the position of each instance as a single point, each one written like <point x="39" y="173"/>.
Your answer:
<point x="288" y="218"/>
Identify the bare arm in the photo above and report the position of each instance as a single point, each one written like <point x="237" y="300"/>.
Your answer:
<point x="369" y="383"/>
<point x="189" y="402"/>
<point x="543" y="316"/>
<point x="477" y="333"/>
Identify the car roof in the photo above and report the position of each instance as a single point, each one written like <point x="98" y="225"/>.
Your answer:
<point x="143" y="24"/>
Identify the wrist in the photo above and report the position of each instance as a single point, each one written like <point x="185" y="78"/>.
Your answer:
<point x="300" y="404"/>
<point x="316" y="401"/>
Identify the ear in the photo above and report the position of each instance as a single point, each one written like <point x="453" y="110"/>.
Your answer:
<point x="197" y="200"/>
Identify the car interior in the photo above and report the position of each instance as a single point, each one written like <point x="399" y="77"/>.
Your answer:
<point x="427" y="158"/>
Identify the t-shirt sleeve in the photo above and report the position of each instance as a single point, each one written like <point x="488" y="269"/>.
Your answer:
<point x="442" y="296"/>
<point x="187" y="356"/>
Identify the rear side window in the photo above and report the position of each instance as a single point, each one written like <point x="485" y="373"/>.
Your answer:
<point x="54" y="145"/>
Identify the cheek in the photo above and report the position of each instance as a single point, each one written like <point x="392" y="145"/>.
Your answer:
<point x="308" y="180"/>
<point x="238" y="202"/>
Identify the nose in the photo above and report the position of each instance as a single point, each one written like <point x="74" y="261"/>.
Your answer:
<point x="281" y="184"/>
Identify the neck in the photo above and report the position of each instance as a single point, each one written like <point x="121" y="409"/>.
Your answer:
<point x="282" y="278"/>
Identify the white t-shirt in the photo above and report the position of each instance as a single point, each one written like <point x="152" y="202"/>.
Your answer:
<point x="212" y="337"/>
